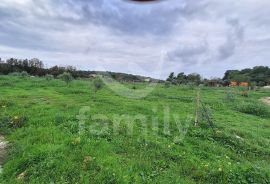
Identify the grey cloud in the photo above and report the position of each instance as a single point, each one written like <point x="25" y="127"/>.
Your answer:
<point x="227" y="49"/>
<point x="188" y="54"/>
<point x="234" y="37"/>
<point x="134" y="18"/>
<point x="115" y="33"/>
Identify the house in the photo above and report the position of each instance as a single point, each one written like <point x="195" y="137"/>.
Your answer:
<point x="244" y="84"/>
<point x="214" y="83"/>
<point x="93" y="76"/>
<point x="147" y="80"/>
<point x="233" y="84"/>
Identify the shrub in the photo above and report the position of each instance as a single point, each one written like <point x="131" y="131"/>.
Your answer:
<point x="15" y="74"/>
<point x="24" y="74"/>
<point x="67" y="77"/>
<point x="18" y="121"/>
<point x="230" y="96"/>
<point x="244" y="93"/>
<point x="18" y="74"/>
<point x="98" y="84"/>
<point x="4" y="124"/>
<point x="49" y="77"/>
<point x="167" y="84"/>
<point x="191" y="85"/>
<point x="257" y="109"/>
<point x="12" y="122"/>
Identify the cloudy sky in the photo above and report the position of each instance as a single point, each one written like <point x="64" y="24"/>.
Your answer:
<point x="153" y="39"/>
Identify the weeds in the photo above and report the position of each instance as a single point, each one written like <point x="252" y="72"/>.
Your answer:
<point x="49" y="77"/>
<point x="4" y="103"/>
<point x="8" y="123"/>
<point x="230" y="96"/>
<point x="98" y="85"/>
<point x="50" y="149"/>
<point x="203" y="113"/>
<point x="167" y="84"/>
<point x="253" y="108"/>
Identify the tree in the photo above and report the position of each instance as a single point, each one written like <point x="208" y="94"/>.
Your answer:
<point x="171" y="77"/>
<point x="181" y="78"/>
<point x="67" y="77"/>
<point x="98" y="84"/>
<point x="56" y="70"/>
<point x="194" y="78"/>
<point x="259" y="75"/>
<point x="36" y="63"/>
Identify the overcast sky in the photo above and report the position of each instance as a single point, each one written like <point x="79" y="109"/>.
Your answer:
<point x="153" y="39"/>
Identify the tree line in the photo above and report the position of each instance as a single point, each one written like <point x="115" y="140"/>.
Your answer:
<point x="36" y="67"/>
<point x="256" y="76"/>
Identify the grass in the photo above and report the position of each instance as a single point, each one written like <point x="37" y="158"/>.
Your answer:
<point x="40" y="120"/>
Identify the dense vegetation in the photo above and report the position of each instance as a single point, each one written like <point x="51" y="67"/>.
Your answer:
<point x="35" y="67"/>
<point x="257" y="76"/>
<point x="39" y="116"/>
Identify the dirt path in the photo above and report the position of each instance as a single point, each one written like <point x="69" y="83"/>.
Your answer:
<point x="266" y="100"/>
<point x="3" y="151"/>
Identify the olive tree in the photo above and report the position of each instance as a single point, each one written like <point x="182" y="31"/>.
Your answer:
<point x="67" y="77"/>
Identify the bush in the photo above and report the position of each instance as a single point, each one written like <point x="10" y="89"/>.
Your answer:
<point x="18" y="74"/>
<point x="24" y="74"/>
<point x="15" y="74"/>
<point x="244" y="93"/>
<point x="191" y="85"/>
<point x="257" y="109"/>
<point x="18" y="121"/>
<point x="67" y="77"/>
<point x="98" y="84"/>
<point x="49" y="77"/>
<point x="167" y="84"/>
<point x="230" y="96"/>
<point x="7" y="123"/>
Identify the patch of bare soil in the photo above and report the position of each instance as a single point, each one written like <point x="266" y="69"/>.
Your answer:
<point x="266" y="100"/>
<point x="3" y="151"/>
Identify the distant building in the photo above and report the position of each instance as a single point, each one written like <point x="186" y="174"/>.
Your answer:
<point x="214" y="83"/>
<point x="147" y="80"/>
<point x="244" y="84"/>
<point x="93" y="76"/>
<point x="233" y="84"/>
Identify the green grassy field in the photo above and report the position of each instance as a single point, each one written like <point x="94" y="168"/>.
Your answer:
<point x="40" y="120"/>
